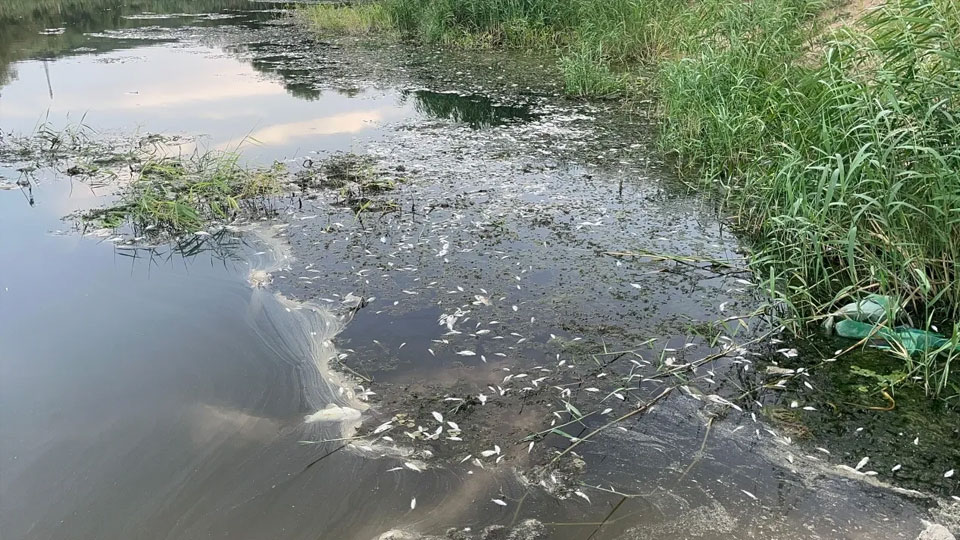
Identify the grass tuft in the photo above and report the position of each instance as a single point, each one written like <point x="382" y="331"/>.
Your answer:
<point x="351" y="20"/>
<point x="586" y="73"/>
<point x="175" y="196"/>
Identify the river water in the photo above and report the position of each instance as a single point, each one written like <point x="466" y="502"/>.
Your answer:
<point x="147" y="390"/>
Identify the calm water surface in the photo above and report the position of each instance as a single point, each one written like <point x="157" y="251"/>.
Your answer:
<point x="154" y="394"/>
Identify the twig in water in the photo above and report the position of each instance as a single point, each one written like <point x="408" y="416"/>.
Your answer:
<point x="712" y="357"/>
<point x="620" y="493"/>
<point x="699" y="455"/>
<point x="680" y="259"/>
<point x="552" y="428"/>
<point x="606" y="519"/>
<point x="635" y="412"/>
<point x="346" y="367"/>
<point x="516" y="513"/>
<point x="321" y="458"/>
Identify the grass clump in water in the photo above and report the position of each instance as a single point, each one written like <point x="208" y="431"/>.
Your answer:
<point x="176" y="196"/>
<point x="357" y="180"/>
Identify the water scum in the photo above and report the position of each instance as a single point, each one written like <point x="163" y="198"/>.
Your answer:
<point x="301" y="331"/>
<point x="480" y="332"/>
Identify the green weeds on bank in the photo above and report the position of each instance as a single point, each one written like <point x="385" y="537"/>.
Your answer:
<point x="839" y="157"/>
<point x="834" y="145"/>
<point x="353" y="20"/>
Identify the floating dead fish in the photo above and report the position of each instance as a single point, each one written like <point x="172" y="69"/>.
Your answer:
<point x="777" y="370"/>
<point x="721" y="401"/>
<point x="382" y="427"/>
<point x="333" y="413"/>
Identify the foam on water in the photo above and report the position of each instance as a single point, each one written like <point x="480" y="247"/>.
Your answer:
<point x="302" y="332"/>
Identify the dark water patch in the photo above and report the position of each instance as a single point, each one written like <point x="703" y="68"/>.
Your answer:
<point x="494" y="272"/>
<point x="474" y="110"/>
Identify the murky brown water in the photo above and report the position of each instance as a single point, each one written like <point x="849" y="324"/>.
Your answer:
<point x="151" y="393"/>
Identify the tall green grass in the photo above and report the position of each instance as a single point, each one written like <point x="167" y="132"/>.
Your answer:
<point x="834" y="145"/>
<point x="844" y="170"/>
<point x="840" y="158"/>
<point x="356" y="20"/>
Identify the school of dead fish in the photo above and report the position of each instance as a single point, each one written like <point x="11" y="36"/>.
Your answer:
<point x="466" y="322"/>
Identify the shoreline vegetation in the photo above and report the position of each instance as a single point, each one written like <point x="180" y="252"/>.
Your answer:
<point x="828" y="130"/>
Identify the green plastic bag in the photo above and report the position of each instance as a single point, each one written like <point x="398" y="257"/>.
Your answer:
<point x="912" y="339"/>
<point x="874" y="308"/>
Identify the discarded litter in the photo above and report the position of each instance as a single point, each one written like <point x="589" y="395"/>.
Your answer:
<point x="911" y="339"/>
<point x="869" y="319"/>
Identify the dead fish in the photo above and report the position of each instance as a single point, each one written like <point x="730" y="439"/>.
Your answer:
<point x="333" y="413"/>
